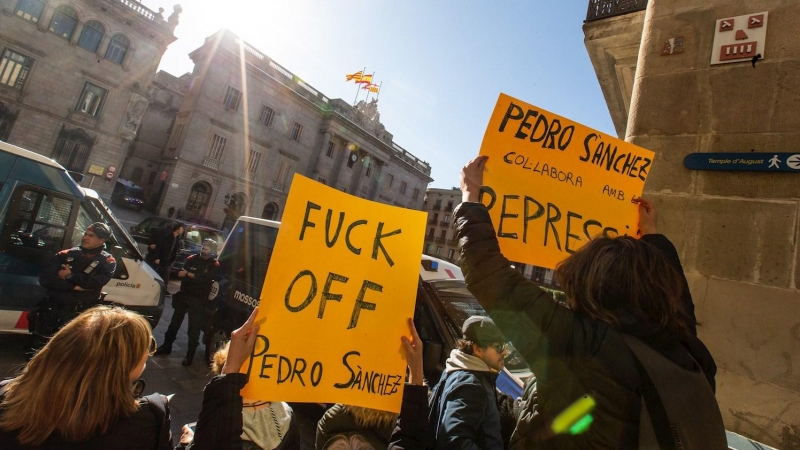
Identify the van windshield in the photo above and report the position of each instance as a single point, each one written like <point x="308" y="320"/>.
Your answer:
<point x="247" y="253"/>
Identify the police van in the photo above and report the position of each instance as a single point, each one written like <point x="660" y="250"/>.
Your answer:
<point x="443" y="301"/>
<point x="43" y="210"/>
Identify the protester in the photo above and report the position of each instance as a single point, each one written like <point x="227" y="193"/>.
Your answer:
<point x="265" y="425"/>
<point x="463" y="404"/>
<point x="220" y="424"/>
<point x="199" y="272"/>
<point x="163" y="250"/>
<point x="73" y="279"/>
<point x="409" y="433"/>
<point x="347" y="426"/>
<point x="620" y="291"/>
<point x="77" y="391"/>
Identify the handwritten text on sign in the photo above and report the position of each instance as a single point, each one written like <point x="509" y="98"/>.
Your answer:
<point x="341" y="282"/>
<point x="552" y="184"/>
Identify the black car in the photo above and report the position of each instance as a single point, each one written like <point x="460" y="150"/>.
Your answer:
<point x="191" y="240"/>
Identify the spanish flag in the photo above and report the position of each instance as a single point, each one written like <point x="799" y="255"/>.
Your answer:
<point x="366" y="79"/>
<point x="355" y="76"/>
<point x="371" y="87"/>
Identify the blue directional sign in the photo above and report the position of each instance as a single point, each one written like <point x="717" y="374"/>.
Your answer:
<point x="754" y="162"/>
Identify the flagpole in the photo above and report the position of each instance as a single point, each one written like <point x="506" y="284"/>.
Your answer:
<point x="379" y="91"/>
<point x="358" y="87"/>
<point x="368" y="84"/>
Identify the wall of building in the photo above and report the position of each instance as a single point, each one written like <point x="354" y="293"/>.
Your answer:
<point x="737" y="232"/>
<point x="49" y="99"/>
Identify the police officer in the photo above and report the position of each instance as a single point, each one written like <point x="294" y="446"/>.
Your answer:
<point x="197" y="275"/>
<point x="74" y="279"/>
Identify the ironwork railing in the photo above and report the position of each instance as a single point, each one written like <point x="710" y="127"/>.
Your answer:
<point x="211" y="163"/>
<point x="278" y="186"/>
<point x="140" y="8"/>
<point x="600" y="9"/>
<point x="248" y="176"/>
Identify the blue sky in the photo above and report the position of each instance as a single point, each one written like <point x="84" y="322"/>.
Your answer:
<point x="442" y="63"/>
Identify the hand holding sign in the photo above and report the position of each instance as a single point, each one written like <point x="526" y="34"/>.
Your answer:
<point x="413" y="348"/>
<point x="648" y="217"/>
<point x="242" y="342"/>
<point x="472" y="179"/>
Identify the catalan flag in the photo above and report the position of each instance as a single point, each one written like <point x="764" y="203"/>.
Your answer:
<point x="355" y="76"/>
<point x="366" y="79"/>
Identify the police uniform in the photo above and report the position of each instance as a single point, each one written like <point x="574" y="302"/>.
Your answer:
<point x="91" y="269"/>
<point x="191" y="299"/>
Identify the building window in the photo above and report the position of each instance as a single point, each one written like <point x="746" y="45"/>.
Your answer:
<point x="91" y="99"/>
<point x="64" y="22"/>
<point x="369" y="168"/>
<point x="232" y="97"/>
<point x="449" y="206"/>
<point x="403" y="187"/>
<point x="73" y="148"/>
<point x="331" y="148"/>
<point x="176" y="136"/>
<point x="283" y="173"/>
<point x="270" y="211"/>
<point x="438" y="252"/>
<point x="267" y="115"/>
<point x="446" y="219"/>
<point x="443" y="234"/>
<point x="117" y="49"/>
<point x="14" y="69"/>
<point x="391" y="181"/>
<point x="435" y="218"/>
<point x="451" y="254"/>
<point x="297" y="131"/>
<point x="416" y="194"/>
<point x="30" y="10"/>
<point x="431" y="232"/>
<point x="253" y="160"/>
<point x="91" y="35"/>
<point x="217" y="147"/>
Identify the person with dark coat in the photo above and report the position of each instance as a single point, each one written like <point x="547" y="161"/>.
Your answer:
<point x="198" y="274"/>
<point x="409" y="432"/>
<point x="463" y="403"/>
<point x="163" y="250"/>
<point x="618" y="290"/>
<point x="74" y="280"/>
<point x="77" y="392"/>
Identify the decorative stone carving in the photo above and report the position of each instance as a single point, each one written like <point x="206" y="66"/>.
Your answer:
<point x="133" y="115"/>
<point x="366" y="115"/>
<point x="173" y="18"/>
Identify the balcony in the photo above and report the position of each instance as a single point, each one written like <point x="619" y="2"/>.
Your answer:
<point x="601" y="9"/>
<point x="212" y="163"/>
<point x="441" y="240"/>
<point x="248" y="176"/>
<point x="445" y="223"/>
<point x="278" y="186"/>
<point x="429" y="237"/>
<point x="453" y="242"/>
<point x="432" y="221"/>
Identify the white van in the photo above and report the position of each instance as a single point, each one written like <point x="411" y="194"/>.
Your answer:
<point x="43" y="210"/>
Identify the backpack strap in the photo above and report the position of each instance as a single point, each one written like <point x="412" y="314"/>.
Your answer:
<point x="655" y="407"/>
<point x="159" y="406"/>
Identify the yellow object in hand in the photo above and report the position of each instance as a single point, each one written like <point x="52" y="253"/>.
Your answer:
<point x="578" y="412"/>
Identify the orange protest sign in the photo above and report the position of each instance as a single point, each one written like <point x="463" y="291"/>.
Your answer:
<point x="552" y="184"/>
<point x="341" y="283"/>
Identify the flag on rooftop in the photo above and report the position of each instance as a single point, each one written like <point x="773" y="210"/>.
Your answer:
<point x="366" y="79"/>
<point x="355" y="76"/>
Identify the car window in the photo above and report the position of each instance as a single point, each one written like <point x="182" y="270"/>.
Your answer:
<point x="145" y="225"/>
<point x="41" y="221"/>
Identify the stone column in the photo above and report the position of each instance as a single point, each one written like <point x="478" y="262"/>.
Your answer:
<point x="358" y="168"/>
<point x="373" y="188"/>
<point x="337" y="165"/>
<point x="321" y="145"/>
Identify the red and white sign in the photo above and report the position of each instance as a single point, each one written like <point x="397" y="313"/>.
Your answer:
<point x="109" y="175"/>
<point x="739" y="38"/>
<point x="112" y="169"/>
<point x="164" y="175"/>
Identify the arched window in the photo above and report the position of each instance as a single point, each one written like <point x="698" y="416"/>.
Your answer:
<point x="64" y="22"/>
<point x="73" y="148"/>
<point x="199" y="197"/>
<point x="118" y="48"/>
<point x="91" y="36"/>
<point x="270" y="211"/>
<point x="30" y="10"/>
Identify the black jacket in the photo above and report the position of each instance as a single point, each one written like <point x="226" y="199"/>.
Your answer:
<point x="571" y="355"/>
<point x="166" y="247"/>
<point x="91" y="270"/>
<point x="409" y="433"/>
<point x="205" y="272"/>
<point x="219" y="426"/>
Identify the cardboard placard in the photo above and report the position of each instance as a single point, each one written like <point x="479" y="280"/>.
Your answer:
<point x="552" y="184"/>
<point x="341" y="284"/>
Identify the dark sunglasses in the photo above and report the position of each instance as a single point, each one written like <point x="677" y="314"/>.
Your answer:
<point x="500" y="347"/>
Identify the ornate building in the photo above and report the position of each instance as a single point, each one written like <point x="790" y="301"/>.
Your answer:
<point x="239" y="137"/>
<point x="74" y="79"/>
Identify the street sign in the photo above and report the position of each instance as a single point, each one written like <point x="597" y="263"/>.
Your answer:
<point x="94" y="169"/>
<point x="752" y="162"/>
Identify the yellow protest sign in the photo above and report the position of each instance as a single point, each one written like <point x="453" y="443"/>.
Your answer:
<point x="552" y="184"/>
<point x="341" y="283"/>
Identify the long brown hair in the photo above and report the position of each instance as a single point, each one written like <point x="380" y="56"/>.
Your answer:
<point x="610" y="275"/>
<point x="79" y="383"/>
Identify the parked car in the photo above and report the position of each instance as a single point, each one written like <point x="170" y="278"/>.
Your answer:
<point x="191" y="240"/>
<point x="128" y="195"/>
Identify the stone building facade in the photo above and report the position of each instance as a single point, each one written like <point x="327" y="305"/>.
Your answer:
<point x="240" y="135"/>
<point x="737" y="231"/>
<point x="74" y="78"/>
<point x="145" y="165"/>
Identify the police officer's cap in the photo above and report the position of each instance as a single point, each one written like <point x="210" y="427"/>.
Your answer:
<point x="100" y="229"/>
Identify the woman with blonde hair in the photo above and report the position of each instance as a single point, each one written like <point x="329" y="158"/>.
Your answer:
<point x="77" y="391"/>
